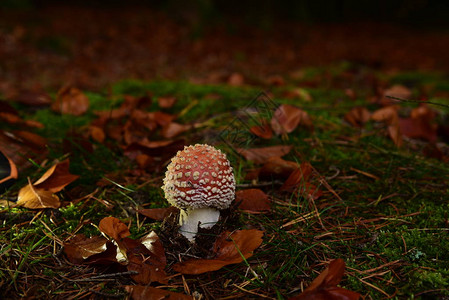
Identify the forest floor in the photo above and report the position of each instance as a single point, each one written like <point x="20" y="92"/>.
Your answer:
<point x="327" y="166"/>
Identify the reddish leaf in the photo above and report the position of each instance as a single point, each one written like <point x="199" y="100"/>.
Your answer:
<point x="297" y="177"/>
<point x="276" y="167"/>
<point x="31" y="197"/>
<point x="325" y="285"/>
<point x="158" y="214"/>
<point x="287" y="117"/>
<point x="166" y="102"/>
<point x="147" y="257"/>
<point x="229" y="248"/>
<point x="358" y="116"/>
<point x="420" y="125"/>
<point x="114" y="228"/>
<point x="80" y="247"/>
<point x="141" y="292"/>
<point x="263" y="131"/>
<point x="261" y="155"/>
<point x="71" y="101"/>
<point x="253" y="200"/>
<point x="56" y="178"/>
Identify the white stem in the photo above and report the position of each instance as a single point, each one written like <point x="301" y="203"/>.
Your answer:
<point x="190" y="219"/>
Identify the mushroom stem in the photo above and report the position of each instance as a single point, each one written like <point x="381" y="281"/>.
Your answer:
<point x="190" y="219"/>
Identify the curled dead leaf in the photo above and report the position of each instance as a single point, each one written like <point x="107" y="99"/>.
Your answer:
<point x="79" y="248"/>
<point x="158" y="214"/>
<point x="287" y="117"/>
<point x="277" y="167"/>
<point x="230" y="248"/>
<point x="56" y="178"/>
<point x="114" y="228"/>
<point x="261" y="155"/>
<point x="358" y="116"/>
<point x="70" y="100"/>
<point x="253" y="200"/>
<point x="33" y="198"/>
<point x="325" y="285"/>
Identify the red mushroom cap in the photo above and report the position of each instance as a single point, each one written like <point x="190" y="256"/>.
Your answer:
<point x="199" y="176"/>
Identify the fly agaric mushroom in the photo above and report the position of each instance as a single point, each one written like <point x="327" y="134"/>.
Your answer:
<point x="199" y="181"/>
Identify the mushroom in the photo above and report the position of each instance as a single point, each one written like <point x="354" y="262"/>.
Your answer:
<point x="199" y="181"/>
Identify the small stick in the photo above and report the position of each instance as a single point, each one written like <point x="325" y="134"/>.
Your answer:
<point x="107" y="276"/>
<point x="417" y="101"/>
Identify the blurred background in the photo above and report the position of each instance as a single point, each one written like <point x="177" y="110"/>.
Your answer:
<point x="45" y="44"/>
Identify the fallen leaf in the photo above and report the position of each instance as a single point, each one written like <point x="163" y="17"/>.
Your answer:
<point x="33" y="198"/>
<point x="79" y="248"/>
<point x="261" y="155"/>
<point x="56" y="178"/>
<point x="358" y="116"/>
<point x="277" y="167"/>
<point x="70" y="100"/>
<point x="144" y="292"/>
<point x="297" y="177"/>
<point x="158" y="214"/>
<point x="325" y="285"/>
<point x="287" y="117"/>
<point x="97" y="134"/>
<point x="387" y="114"/>
<point x="299" y="93"/>
<point x="166" y="102"/>
<point x="8" y="172"/>
<point x="230" y="248"/>
<point x="263" y="131"/>
<point x="114" y="228"/>
<point x="276" y="80"/>
<point x="173" y="129"/>
<point x="420" y="124"/>
<point x="236" y="79"/>
<point x="253" y="200"/>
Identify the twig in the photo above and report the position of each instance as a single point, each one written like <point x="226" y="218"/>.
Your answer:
<point x="107" y="294"/>
<point x="260" y="184"/>
<point x="103" y="276"/>
<point x="417" y="101"/>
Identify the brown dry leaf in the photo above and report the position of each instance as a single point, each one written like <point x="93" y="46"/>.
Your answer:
<point x="97" y="134"/>
<point x="324" y="287"/>
<point x="33" y="198"/>
<point x="230" y="247"/>
<point x="420" y="125"/>
<point x="358" y="116"/>
<point x="287" y="117"/>
<point x="173" y="129"/>
<point x="387" y="114"/>
<point x="70" y="100"/>
<point x="80" y="247"/>
<point x="114" y="228"/>
<point x="8" y="170"/>
<point x="145" y="292"/>
<point x="263" y="131"/>
<point x="398" y="91"/>
<point x="166" y="102"/>
<point x="298" y="177"/>
<point x="236" y="79"/>
<point x="261" y="155"/>
<point x="30" y="139"/>
<point x="147" y="257"/>
<point x="158" y="214"/>
<point x="276" y="167"/>
<point x="299" y="93"/>
<point x="16" y="120"/>
<point x="253" y="200"/>
<point x="56" y="178"/>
